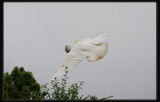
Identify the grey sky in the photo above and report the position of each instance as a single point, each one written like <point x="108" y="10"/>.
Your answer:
<point x="35" y="35"/>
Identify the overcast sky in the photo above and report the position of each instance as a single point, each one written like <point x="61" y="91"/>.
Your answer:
<point x="35" y="35"/>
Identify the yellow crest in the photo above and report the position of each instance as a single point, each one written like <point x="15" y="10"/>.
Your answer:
<point x="75" y="42"/>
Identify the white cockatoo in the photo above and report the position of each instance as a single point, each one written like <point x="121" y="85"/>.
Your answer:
<point x="93" y="49"/>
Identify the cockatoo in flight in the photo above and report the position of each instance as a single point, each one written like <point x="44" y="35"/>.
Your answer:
<point x="93" y="49"/>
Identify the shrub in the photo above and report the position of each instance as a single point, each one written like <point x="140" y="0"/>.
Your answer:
<point x="59" y="90"/>
<point x="21" y="84"/>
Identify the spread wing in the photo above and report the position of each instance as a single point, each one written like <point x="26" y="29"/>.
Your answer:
<point x="96" y="47"/>
<point x="73" y="59"/>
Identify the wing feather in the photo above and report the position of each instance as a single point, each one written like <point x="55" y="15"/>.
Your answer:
<point x="72" y="60"/>
<point x="100" y="38"/>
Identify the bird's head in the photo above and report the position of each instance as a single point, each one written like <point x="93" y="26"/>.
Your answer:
<point x="68" y="47"/>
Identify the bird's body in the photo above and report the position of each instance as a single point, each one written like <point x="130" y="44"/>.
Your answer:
<point x="93" y="49"/>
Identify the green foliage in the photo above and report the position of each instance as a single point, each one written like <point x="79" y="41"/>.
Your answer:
<point x="61" y="92"/>
<point x="21" y="84"/>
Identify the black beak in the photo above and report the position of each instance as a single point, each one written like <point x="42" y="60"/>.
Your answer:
<point x="66" y="49"/>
